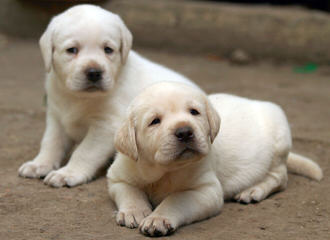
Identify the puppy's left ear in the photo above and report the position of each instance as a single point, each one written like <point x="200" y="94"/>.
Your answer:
<point x="46" y="44"/>
<point x="213" y="119"/>
<point x="125" y="140"/>
<point x="126" y="40"/>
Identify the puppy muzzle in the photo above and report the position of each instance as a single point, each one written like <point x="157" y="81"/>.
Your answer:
<point x="184" y="134"/>
<point x="94" y="75"/>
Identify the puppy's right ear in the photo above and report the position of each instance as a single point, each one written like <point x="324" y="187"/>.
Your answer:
<point x="125" y="141"/>
<point x="46" y="45"/>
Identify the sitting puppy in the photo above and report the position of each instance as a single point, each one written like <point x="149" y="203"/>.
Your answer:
<point x="91" y="78"/>
<point x="166" y="156"/>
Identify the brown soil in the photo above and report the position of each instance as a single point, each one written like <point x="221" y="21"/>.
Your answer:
<point x="31" y="210"/>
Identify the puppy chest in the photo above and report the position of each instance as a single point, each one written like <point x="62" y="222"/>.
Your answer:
<point x="159" y="190"/>
<point x="156" y="192"/>
<point x="76" y="129"/>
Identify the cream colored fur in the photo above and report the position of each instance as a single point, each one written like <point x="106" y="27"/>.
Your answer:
<point x="80" y="114"/>
<point x="160" y="183"/>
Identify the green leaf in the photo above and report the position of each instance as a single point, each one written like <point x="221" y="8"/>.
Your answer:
<point x="308" y="68"/>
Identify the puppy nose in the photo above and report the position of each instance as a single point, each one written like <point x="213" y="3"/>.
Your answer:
<point x="94" y="74"/>
<point x="184" y="134"/>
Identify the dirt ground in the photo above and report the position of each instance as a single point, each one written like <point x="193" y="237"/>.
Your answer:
<point x="31" y="210"/>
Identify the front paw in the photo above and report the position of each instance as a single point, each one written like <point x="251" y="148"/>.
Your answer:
<point x="32" y="169"/>
<point x="156" y="226"/>
<point x="131" y="218"/>
<point x="65" y="177"/>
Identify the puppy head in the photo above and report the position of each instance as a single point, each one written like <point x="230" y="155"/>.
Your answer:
<point x="168" y="124"/>
<point x="86" y="46"/>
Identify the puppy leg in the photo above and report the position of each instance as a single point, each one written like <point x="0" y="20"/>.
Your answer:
<point x="183" y="208"/>
<point x="275" y="180"/>
<point x="133" y="205"/>
<point x="91" y="154"/>
<point x="54" y="146"/>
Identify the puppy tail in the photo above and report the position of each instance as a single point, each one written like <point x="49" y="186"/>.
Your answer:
<point x="304" y="166"/>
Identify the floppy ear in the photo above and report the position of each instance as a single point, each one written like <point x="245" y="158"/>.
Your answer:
<point x="125" y="141"/>
<point x="46" y="45"/>
<point x="213" y="119"/>
<point x="126" y="41"/>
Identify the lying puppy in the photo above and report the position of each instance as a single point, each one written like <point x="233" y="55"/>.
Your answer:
<point x="91" y="78"/>
<point x="166" y="156"/>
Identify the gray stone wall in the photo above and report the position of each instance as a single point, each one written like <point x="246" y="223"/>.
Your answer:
<point x="281" y="33"/>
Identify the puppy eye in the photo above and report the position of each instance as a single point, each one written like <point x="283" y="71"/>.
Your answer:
<point x="108" y="50"/>
<point x="194" y="112"/>
<point x="155" y="121"/>
<point x="72" y="50"/>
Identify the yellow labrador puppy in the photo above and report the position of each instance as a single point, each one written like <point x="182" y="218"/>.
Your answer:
<point x="91" y="77"/>
<point x="167" y="161"/>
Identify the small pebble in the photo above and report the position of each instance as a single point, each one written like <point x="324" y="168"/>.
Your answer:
<point x="239" y="56"/>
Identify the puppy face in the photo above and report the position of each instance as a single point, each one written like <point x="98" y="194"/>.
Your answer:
<point x="169" y="124"/>
<point x="86" y="46"/>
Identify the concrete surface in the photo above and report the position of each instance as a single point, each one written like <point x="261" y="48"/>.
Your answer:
<point x="31" y="210"/>
<point x="261" y="31"/>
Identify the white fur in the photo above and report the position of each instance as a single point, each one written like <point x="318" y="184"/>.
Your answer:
<point x="79" y="117"/>
<point x="246" y="162"/>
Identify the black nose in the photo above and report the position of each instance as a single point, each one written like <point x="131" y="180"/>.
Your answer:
<point x="94" y="74"/>
<point x="184" y="134"/>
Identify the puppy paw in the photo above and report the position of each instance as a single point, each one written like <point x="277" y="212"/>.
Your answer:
<point x="131" y="218"/>
<point x="156" y="226"/>
<point x="65" y="177"/>
<point x="32" y="169"/>
<point x="253" y="194"/>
